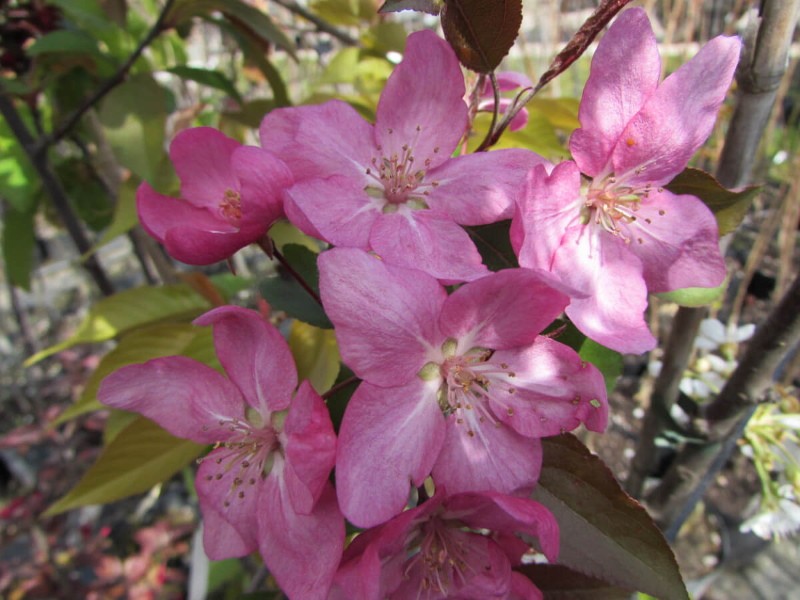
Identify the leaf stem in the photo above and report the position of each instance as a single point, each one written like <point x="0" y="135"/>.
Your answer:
<point x="266" y="244"/>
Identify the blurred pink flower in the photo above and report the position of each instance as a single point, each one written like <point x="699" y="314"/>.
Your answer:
<point x="230" y="196"/>
<point x="265" y="485"/>
<point x="619" y="235"/>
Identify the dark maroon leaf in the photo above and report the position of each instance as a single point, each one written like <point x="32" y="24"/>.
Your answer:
<point x="605" y="533"/>
<point x="481" y="31"/>
<point x="560" y="583"/>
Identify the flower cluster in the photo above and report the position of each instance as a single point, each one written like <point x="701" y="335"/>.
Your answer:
<point x="460" y="376"/>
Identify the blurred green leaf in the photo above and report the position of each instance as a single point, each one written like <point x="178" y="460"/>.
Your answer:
<point x="19" y="183"/>
<point x="141" y="456"/>
<point x="125" y="216"/>
<point x="316" y="355"/>
<point x="385" y="37"/>
<point x="694" y="297"/>
<point x="85" y="192"/>
<point x="608" y="362"/>
<point x="64" y="41"/>
<point x="18" y="245"/>
<point x="348" y="13"/>
<point x="207" y="77"/>
<point x="728" y="206"/>
<point x="128" y="310"/>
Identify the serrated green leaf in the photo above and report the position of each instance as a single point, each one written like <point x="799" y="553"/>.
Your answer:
<point x="18" y="245"/>
<point x="316" y="355"/>
<point x="729" y="207"/>
<point x="604" y="532"/>
<point x="128" y="310"/>
<point x="208" y="77"/>
<point x="141" y="456"/>
<point x="139" y="346"/>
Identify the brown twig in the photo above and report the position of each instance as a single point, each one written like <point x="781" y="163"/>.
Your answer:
<point x="320" y="23"/>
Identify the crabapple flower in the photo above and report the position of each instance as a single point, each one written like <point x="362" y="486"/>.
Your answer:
<point x="265" y="484"/>
<point x="459" y="546"/>
<point x="618" y="234"/>
<point x="231" y="195"/>
<point x="393" y="187"/>
<point x="460" y="386"/>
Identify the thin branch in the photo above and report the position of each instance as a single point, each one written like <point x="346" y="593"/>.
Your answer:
<point x="320" y="23"/>
<point x="265" y="243"/>
<point x="118" y="77"/>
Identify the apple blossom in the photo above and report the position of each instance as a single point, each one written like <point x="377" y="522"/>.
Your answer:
<point x="393" y="187"/>
<point x="265" y="484"/>
<point x="231" y="195"/>
<point x="620" y="234"/>
<point x="460" y="386"/>
<point x="458" y="546"/>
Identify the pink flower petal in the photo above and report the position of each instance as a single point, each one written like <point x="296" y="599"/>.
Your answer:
<point x="388" y="440"/>
<point x="198" y="247"/>
<point x="503" y="310"/>
<point x="495" y="458"/>
<point x="183" y="396"/>
<point x="220" y="538"/>
<point x="422" y="105"/>
<point x="480" y="188"/>
<point x="202" y="156"/>
<point x="386" y="317"/>
<point x="678" y="117"/>
<point x="554" y="391"/>
<point x="318" y="141"/>
<point x="336" y="207"/>
<point x="255" y="356"/>
<point x="429" y="242"/>
<point x="625" y="71"/>
<point x="263" y="177"/>
<point x="310" y="448"/>
<point x="677" y="257"/>
<point x="301" y="551"/>
<point x="522" y="588"/>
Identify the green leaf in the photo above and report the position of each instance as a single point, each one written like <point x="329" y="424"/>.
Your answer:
<point x="283" y="292"/>
<point x="494" y="245"/>
<point x="139" y="346"/>
<point x="316" y="355"/>
<point x="729" y="207"/>
<point x="284" y="233"/>
<point x="385" y="37"/>
<point x="432" y="7"/>
<point x="481" y="31"/>
<point x="18" y="245"/>
<point x="561" y="113"/>
<point x="85" y="192"/>
<point x="605" y="534"/>
<point x="210" y="78"/>
<point x="64" y="41"/>
<point x="125" y="216"/>
<point x="19" y="183"/>
<point x="134" y="116"/>
<point x="606" y="360"/>
<point x="560" y="583"/>
<point x="141" y="456"/>
<point x="349" y="13"/>
<point x="694" y="297"/>
<point x="128" y="310"/>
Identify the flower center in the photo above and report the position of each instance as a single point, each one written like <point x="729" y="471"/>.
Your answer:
<point x="612" y="205"/>
<point x="249" y="447"/>
<point x="441" y="557"/>
<point x="231" y="206"/>
<point x="399" y="180"/>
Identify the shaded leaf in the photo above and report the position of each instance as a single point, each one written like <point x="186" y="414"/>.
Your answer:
<point x="560" y="583"/>
<point x="432" y="7"/>
<point x="125" y="216"/>
<point x="128" y="310"/>
<point x="140" y="346"/>
<point x="284" y="233"/>
<point x="139" y="457"/>
<point x="208" y="77"/>
<point x="608" y="361"/>
<point x="64" y="41"/>
<point x="729" y="207"/>
<point x="18" y="245"/>
<point x="694" y="297"/>
<point x="19" y="183"/>
<point x="604" y="532"/>
<point x="481" y="31"/>
<point x="349" y="13"/>
<point x="85" y="192"/>
<point x="283" y="292"/>
<point x="316" y="355"/>
<point x="494" y="244"/>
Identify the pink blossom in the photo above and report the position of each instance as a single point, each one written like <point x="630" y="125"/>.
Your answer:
<point x="619" y="235"/>
<point x="265" y="485"/>
<point x="460" y="546"/>
<point x="460" y="386"/>
<point x="393" y="187"/>
<point x="231" y="195"/>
